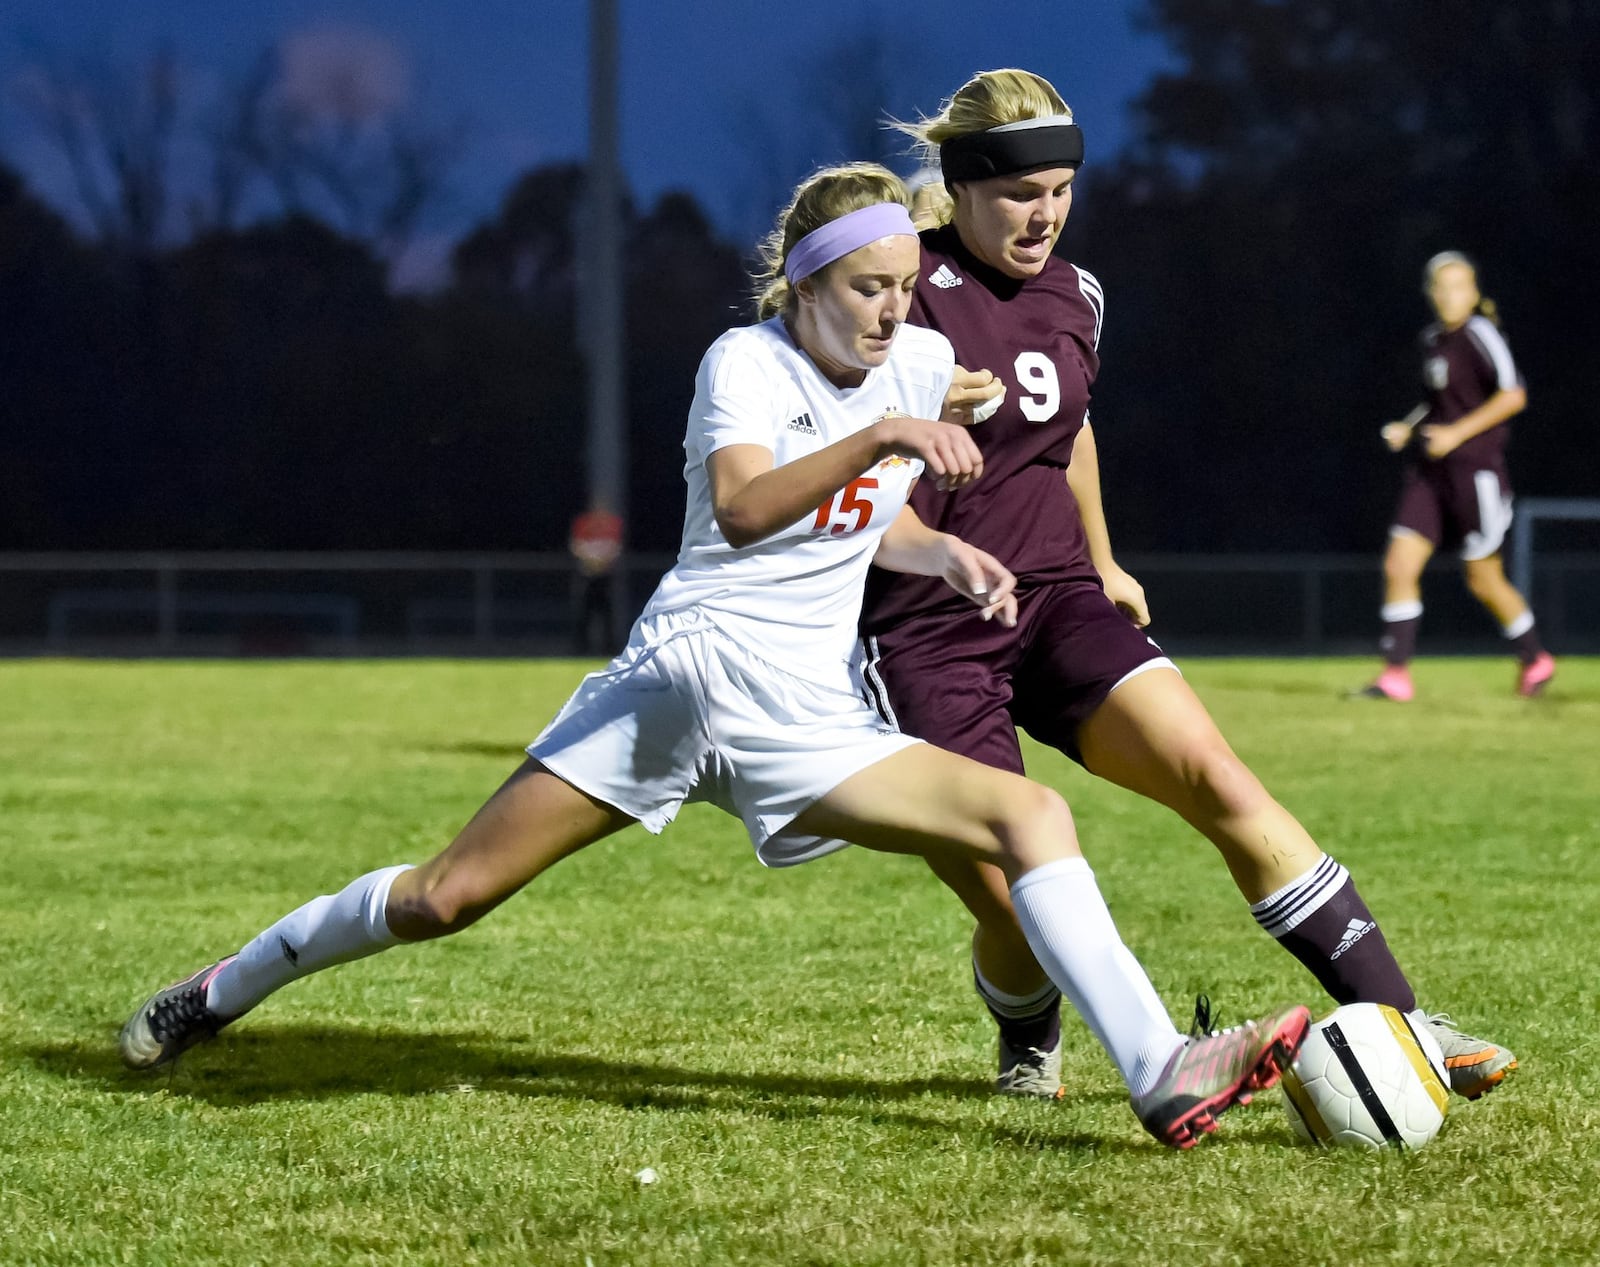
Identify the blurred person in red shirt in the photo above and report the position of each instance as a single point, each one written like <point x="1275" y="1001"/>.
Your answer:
<point x="595" y="543"/>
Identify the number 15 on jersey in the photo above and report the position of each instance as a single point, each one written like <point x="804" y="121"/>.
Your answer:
<point x="847" y="510"/>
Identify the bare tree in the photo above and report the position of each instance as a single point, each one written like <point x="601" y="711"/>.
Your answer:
<point x="322" y="125"/>
<point x="326" y="121"/>
<point x="834" y="108"/>
<point x="116" y="131"/>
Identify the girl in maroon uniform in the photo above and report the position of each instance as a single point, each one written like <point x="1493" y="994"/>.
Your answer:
<point x="1077" y="672"/>
<point x="1456" y="491"/>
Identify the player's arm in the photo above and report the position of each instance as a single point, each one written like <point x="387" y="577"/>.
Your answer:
<point x="1083" y="478"/>
<point x="1506" y="403"/>
<point x="752" y="499"/>
<point x="909" y="545"/>
<point x="1397" y="435"/>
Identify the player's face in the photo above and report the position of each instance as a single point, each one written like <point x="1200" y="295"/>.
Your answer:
<point x="850" y="311"/>
<point x="1454" y="292"/>
<point x="1012" y="222"/>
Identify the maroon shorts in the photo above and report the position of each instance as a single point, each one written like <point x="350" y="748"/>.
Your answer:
<point x="966" y="684"/>
<point x="1452" y="506"/>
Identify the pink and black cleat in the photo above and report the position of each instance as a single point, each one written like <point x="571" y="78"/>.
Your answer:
<point x="1211" y="1073"/>
<point x="1394" y="683"/>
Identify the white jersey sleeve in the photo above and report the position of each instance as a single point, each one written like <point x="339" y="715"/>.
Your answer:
<point x="738" y="399"/>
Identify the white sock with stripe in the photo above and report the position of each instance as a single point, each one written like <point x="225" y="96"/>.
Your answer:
<point x="347" y="925"/>
<point x="1014" y="1007"/>
<point x="1076" y="942"/>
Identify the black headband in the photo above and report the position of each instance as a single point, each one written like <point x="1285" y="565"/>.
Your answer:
<point x="1011" y="150"/>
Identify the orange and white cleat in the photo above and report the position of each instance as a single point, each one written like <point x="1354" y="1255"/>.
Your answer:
<point x="1475" y="1065"/>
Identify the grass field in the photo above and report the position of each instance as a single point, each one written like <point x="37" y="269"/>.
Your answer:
<point x="797" y="1054"/>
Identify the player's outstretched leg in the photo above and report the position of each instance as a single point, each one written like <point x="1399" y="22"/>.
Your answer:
<point x="1153" y="736"/>
<point x="933" y="803"/>
<point x="532" y="822"/>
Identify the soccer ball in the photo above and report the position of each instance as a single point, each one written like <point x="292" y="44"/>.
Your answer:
<point x="1367" y="1077"/>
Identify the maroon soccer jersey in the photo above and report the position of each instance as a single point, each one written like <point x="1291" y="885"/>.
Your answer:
<point x="1461" y="369"/>
<point x="1039" y="337"/>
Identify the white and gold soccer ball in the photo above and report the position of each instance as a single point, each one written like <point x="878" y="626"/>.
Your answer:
<point x="1367" y="1077"/>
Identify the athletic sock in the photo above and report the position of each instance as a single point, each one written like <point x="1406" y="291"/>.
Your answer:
<point x="1025" y="1020"/>
<point x="1400" y="624"/>
<point x="1321" y="920"/>
<point x="1524" y="638"/>
<point x="326" y="931"/>
<point x="1072" y="934"/>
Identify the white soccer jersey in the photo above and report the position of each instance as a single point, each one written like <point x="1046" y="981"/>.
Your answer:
<point x="794" y="598"/>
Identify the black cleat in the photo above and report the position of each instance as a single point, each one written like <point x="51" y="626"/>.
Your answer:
<point x="172" y="1020"/>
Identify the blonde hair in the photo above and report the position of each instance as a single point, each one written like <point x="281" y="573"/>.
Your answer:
<point x="931" y="204"/>
<point x="820" y="198"/>
<point x="1486" y="307"/>
<point x="990" y="99"/>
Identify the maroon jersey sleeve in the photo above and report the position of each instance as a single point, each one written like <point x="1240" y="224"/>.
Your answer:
<point x="1040" y="337"/>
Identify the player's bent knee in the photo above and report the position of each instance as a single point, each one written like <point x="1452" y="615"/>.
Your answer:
<point x="1034" y="825"/>
<point x="1224" y="787"/>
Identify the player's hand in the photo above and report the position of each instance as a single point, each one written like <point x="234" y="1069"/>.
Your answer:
<point x="1396" y="435"/>
<point x="1127" y="594"/>
<point x="949" y="453"/>
<point x="982" y="578"/>
<point x="969" y="399"/>
<point x="1438" y="440"/>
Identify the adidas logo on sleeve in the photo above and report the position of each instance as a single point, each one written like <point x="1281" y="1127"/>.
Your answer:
<point x="943" y="278"/>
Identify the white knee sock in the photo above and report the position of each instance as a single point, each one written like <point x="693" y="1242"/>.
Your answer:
<point x="1066" y="922"/>
<point x="325" y="931"/>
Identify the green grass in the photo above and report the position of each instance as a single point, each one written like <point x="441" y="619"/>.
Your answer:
<point x="797" y="1054"/>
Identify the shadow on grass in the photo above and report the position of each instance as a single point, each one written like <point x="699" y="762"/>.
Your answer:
<point x="509" y="751"/>
<point x="303" y="1063"/>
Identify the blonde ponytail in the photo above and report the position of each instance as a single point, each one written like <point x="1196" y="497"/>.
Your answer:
<point x="990" y="99"/>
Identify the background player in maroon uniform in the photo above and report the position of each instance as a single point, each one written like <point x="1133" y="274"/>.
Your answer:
<point x="1077" y="672"/>
<point x="1456" y="492"/>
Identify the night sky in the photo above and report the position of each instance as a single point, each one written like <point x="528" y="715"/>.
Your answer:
<point x="716" y="95"/>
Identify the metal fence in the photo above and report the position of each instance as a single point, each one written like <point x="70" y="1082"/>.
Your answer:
<point x="344" y="604"/>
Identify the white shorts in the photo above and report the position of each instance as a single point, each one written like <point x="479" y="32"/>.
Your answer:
<point x="687" y="714"/>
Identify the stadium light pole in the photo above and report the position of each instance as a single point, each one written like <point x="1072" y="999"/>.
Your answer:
<point x="600" y="286"/>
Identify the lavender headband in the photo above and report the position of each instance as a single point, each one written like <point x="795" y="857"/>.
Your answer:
<point x="850" y="232"/>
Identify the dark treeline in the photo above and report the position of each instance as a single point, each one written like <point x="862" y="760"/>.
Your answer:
<point x="1261" y="249"/>
<point x="261" y="388"/>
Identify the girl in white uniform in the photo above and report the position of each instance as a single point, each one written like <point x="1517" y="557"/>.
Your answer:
<point x="806" y="434"/>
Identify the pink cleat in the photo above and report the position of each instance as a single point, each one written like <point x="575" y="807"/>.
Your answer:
<point x="1394" y="683"/>
<point x="1534" y="677"/>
